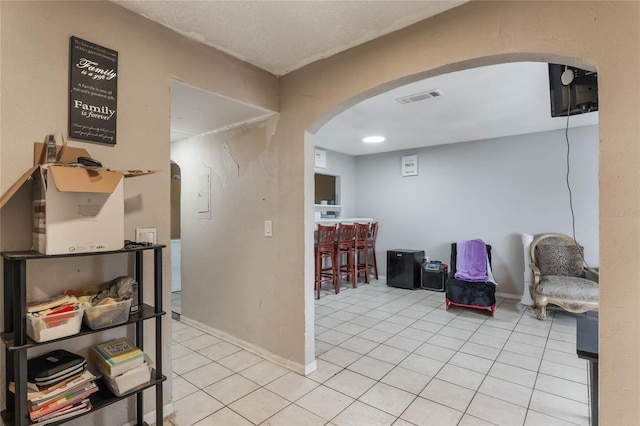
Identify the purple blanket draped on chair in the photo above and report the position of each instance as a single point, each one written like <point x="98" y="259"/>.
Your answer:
<point x="471" y="261"/>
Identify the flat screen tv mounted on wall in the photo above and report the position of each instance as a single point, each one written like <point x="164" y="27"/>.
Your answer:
<point x="584" y="91"/>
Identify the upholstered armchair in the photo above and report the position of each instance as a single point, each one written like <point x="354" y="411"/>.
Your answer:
<point x="560" y="276"/>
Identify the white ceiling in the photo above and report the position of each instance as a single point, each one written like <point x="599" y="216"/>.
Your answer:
<point x="480" y="103"/>
<point x="194" y="111"/>
<point x="281" y="36"/>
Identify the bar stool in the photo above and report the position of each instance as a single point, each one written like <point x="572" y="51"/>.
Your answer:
<point x="344" y="248"/>
<point x="371" y="247"/>
<point x="324" y="249"/>
<point x="360" y="247"/>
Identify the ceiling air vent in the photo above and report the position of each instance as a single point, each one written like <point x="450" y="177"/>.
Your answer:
<point x="416" y="97"/>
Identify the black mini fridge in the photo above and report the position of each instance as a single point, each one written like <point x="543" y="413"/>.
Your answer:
<point x="403" y="268"/>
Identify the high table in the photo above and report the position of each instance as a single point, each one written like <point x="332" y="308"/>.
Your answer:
<point x="587" y="348"/>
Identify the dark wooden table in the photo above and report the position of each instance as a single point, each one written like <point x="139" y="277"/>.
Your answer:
<point x="587" y="348"/>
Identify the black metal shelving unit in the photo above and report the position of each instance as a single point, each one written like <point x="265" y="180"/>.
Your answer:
<point x="16" y="342"/>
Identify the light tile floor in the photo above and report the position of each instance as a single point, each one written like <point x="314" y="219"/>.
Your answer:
<point x="392" y="356"/>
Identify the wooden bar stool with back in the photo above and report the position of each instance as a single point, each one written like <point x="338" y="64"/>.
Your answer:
<point x="344" y="251"/>
<point x="360" y="247"/>
<point x="371" y="247"/>
<point x="325" y="249"/>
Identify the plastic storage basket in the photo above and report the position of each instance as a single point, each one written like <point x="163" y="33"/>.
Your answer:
<point x="107" y="315"/>
<point x="54" y="326"/>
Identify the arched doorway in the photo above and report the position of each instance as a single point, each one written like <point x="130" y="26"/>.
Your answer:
<point x="378" y="162"/>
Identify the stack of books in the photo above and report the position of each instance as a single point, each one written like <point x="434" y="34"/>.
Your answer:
<point x="122" y="364"/>
<point x="59" y="387"/>
<point x="50" y="305"/>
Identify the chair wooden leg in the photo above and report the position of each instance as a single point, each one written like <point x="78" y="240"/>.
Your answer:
<point x="366" y="266"/>
<point x="335" y="260"/>
<point x="543" y="313"/>
<point x="354" y="280"/>
<point x="541" y="302"/>
<point x="336" y="273"/>
<point x="318" y="271"/>
<point x="343" y="269"/>
<point x="375" y="262"/>
<point x="354" y="268"/>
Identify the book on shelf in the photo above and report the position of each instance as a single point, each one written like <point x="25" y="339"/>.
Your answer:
<point x="64" y="401"/>
<point x="65" y="413"/>
<point x="40" y="396"/>
<point x="41" y="305"/>
<point x="33" y="390"/>
<point x="58" y="316"/>
<point x="117" y="356"/>
<point x="72" y="387"/>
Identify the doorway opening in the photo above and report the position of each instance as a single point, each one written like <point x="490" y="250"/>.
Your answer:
<point x="419" y="211"/>
<point x="197" y="116"/>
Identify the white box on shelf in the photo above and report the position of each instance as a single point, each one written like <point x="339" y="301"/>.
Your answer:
<point x="130" y="380"/>
<point x="74" y="209"/>
<point x="77" y="210"/>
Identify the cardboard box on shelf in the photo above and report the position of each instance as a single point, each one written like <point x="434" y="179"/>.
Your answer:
<point x="74" y="209"/>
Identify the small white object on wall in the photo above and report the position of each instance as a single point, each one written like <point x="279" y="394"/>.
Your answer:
<point x="321" y="158"/>
<point x="204" y="193"/>
<point x="410" y="165"/>
<point x="147" y="235"/>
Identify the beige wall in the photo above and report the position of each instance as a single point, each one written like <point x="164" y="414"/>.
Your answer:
<point x="232" y="276"/>
<point x="596" y="35"/>
<point x="34" y="87"/>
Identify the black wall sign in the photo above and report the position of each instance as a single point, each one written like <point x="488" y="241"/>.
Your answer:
<point x="93" y="92"/>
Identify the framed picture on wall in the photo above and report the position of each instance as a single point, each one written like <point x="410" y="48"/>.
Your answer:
<point x="321" y="159"/>
<point x="93" y="92"/>
<point x="409" y="165"/>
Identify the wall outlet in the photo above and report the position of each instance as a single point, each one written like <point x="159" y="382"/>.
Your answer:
<point x="147" y="235"/>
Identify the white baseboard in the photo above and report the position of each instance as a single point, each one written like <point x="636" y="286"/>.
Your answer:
<point x="150" y="418"/>
<point x="509" y="296"/>
<point x="308" y="369"/>
<point x="287" y="363"/>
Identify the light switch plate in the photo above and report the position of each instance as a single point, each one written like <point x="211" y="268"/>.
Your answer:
<point x="147" y="235"/>
<point x="268" y="228"/>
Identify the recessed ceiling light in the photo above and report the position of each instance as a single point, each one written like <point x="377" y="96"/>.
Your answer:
<point x="373" y="139"/>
